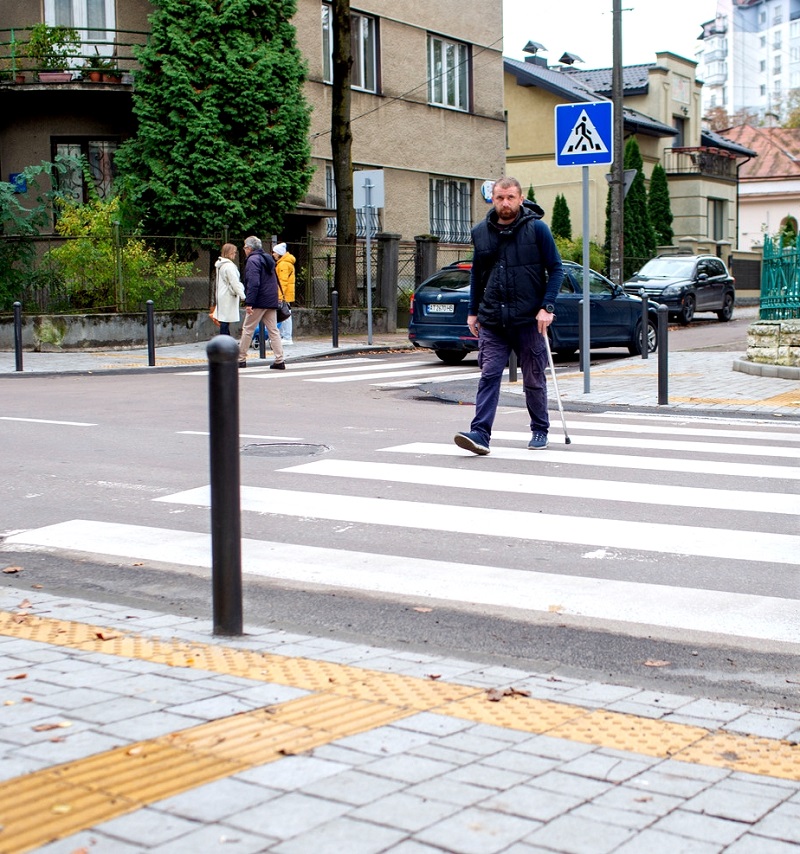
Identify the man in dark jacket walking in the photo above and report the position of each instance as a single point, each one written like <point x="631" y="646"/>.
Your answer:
<point x="516" y="275"/>
<point x="261" y="301"/>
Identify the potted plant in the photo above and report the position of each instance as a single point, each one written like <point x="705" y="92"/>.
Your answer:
<point x="51" y="49"/>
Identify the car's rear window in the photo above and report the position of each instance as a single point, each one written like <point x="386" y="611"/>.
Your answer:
<point x="448" y="280"/>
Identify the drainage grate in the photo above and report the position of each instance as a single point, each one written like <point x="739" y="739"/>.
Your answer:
<point x="284" y="449"/>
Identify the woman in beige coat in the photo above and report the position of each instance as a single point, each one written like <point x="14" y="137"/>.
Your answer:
<point x="229" y="289"/>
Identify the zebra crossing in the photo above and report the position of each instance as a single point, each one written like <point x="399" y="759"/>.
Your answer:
<point x="714" y="499"/>
<point x="374" y="371"/>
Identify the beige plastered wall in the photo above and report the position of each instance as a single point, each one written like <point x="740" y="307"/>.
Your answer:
<point x="397" y="130"/>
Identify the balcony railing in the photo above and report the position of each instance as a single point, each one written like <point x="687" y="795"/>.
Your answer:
<point x="110" y="50"/>
<point x="713" y="162"/>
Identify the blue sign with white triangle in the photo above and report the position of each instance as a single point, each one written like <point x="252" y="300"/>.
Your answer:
<point x="584" y="133"/>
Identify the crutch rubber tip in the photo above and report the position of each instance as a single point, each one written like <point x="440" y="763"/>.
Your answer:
<point x="568" y="441"/>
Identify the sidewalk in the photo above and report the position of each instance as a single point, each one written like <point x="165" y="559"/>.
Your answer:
<point x="291" y="743"/>
<point x="698" y="381"/>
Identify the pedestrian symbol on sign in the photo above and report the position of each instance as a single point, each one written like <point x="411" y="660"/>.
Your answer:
<point x="584" y="138"/>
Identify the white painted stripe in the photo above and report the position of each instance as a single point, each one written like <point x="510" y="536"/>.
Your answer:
<point x="692" y="609"/>
<point x="372" y="376"/>
<point x="576" y="426"/>
<point x="774" y="421"/>
<point x="513" y="524"/>
<point x="254" y="369"/>
<point x="244" y="436"/>
<point x="586" y="458"/>
<point x="45" y="421"/>
<point x="412" y="383"/>
<point x="667" y="445"/>
<point x="340" y="373"/>
<point x="527" y="484"/>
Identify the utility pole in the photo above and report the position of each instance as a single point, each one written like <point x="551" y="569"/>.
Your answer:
<point x="617" y="183"/>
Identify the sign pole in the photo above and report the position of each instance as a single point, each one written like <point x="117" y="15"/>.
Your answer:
<point x="586" y="349"/>
<point x="368" y="260"/>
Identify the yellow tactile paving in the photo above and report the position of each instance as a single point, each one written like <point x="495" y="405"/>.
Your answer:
<point x="788" y="398"/>
<point x="59" y="801"/>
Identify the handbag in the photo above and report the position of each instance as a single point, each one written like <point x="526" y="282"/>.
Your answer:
<point x="213" y="315"/>
<point x="284" y="311"/>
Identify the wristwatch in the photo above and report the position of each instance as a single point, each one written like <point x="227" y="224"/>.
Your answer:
<point x="550" y="308"/>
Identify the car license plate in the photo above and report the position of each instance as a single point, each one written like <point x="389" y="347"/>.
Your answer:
<point x="441" y="308"/>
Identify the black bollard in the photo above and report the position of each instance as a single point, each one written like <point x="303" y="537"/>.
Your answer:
<point x="226" y="521"/>
<point x="262" y="342"/>
<point x="151" y="334"/>
<point x="335" y="317"/>
<point x="512" y="367"/>
<point x="645" y="318"/>
<point x="18" y="334"/>
<point x="663" y="361"/>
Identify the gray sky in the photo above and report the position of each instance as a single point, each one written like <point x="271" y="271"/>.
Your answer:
<point x="584" y="27"/>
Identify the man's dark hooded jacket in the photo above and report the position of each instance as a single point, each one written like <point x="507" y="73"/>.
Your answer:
<point x="260" y="281"/>
<point x="516" y="270"/>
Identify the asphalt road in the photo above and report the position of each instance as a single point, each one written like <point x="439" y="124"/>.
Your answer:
<point x="133" y="450"/>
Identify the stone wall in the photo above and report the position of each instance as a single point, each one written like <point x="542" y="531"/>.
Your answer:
<point x="120" y="331"/>
<point x="774" y="342"/>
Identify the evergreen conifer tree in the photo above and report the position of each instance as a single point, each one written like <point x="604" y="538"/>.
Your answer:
<point x="561" y="225"/>
<point x="638" y="235"/>
<point x="223" y="125"/>
<point x="658" y="206"/>
<point x="531" y="194"/>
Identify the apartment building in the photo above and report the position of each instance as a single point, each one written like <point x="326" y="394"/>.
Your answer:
<point x="427" y="104"/>
<point x="749" y="57"/>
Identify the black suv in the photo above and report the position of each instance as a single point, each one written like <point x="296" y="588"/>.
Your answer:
<point x="686" y="284"/>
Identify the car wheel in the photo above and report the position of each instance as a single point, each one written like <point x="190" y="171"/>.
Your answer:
<point x="726" y="312"/>
<point x="451" y="357"/>
<point x="635" y="349"/>
<point x="687" y="312"/>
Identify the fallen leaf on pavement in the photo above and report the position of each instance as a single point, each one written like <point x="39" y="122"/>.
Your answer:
<point x="9" y="570"/>
<point x="656" y="662"/>
<point x="25" y="603"/>
<point x="433" y="675"/>
<point x="555" y="609"/>
<point x="106" y="635"/>
<point x="495" y="695"/>
<point x="18" y="676"/>
<point x="423" y="610"/>
<point x="48" y="727"/>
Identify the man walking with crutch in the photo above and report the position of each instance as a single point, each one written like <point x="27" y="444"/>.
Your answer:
<point x="516" y="275"/>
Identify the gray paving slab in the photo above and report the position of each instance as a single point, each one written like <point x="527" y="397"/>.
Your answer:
<point x="477" y="831"/>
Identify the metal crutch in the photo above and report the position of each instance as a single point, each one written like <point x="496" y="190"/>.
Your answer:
<point x="567" y="440"/>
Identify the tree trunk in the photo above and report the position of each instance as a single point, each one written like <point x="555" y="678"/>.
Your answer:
<point x="341" y="151"/>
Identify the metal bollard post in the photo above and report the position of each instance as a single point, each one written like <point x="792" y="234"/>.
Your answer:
<point x="226" y="521"/>
<point x="151" y="334"/>
<point x="18" y="334"/>
<point x="262" y="342"/>
<point x="335" y="317"/>
<point x="645" y="318"/>
<point x="663" y="361"/>
<point x="512" y="367"/>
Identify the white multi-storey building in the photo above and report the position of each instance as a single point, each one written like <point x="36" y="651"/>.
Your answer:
<point x="750" y="57"/>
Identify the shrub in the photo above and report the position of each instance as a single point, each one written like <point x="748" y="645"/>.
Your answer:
<point x="89" y="262"/>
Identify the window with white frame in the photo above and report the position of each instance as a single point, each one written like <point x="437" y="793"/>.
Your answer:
<point x="448" y="73"/>
<point x="716" y="219"/>
<point x="450" y="209"/>
<point x="364" y="45"/>
<point x="96" y="15"/>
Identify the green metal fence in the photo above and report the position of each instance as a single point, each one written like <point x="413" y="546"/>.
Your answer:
<point x="780" y="280"/>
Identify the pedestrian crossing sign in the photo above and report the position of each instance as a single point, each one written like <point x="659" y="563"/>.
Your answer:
<point x="584" y="134"/>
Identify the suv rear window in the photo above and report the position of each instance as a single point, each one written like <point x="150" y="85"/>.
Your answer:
<point x="448" y="280"/>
